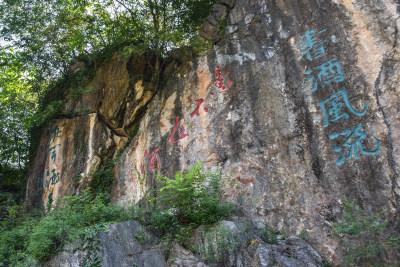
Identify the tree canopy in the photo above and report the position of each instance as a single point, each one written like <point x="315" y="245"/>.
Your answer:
<point x="40" y="39"/>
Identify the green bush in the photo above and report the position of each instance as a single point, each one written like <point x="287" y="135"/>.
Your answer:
<point x="192" y="199"/>
<point x="217" y="241"/>
<point x="195" y="197"/>
<point x="270" y="235"/>
<point x="33" y="236"/>
<point x="74" y="217"/>
<point x="103" y="178"/>
<point x="364" y="237"/>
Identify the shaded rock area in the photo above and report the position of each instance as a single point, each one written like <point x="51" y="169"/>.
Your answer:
<point x="298" y="101"/>
<point x="124" y="244"/>
<point x="240" y="243"/>
<point x="129" y="244"/>
<point x="181" y="257"/>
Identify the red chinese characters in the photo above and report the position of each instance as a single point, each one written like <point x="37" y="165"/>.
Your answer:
<point x="221" y="85"/>
<point x="220" y="82"/>
<point x="154" y="159"/>
<point x="196" y="112"/>
<point x="181" y="133"/>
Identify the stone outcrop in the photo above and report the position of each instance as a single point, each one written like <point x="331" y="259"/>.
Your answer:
<point x="297" y="102"/>
<point x="125" y="244"/>
<point x="239" y="243"/>
<point x="129" y="244"/>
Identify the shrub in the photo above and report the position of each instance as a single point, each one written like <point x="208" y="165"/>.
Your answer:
<point x="74" y="217"/>
<point x="271" y="236"/>
<point x="364" y="236"/>
<point x="216" y="242"/>
<point x="103" y="179"/>
<point x="27" y="236"/>
<point x="195" y="197"/>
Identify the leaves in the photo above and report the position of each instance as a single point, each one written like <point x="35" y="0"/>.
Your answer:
<point x="364" y="236"/>
<point x="196" y="195"/>
<point x="44" y="37"/>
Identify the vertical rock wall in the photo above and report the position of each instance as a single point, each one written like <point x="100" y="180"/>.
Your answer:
<point x="297" y="102"/>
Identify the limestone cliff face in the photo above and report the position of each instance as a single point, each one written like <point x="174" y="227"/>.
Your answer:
<point x="298" y="101"/>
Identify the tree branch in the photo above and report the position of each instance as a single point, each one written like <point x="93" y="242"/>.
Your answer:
<point x="130" y="12"/>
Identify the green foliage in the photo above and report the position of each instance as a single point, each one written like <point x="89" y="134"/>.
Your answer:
<point x="42" y="39"/>
<point x="219" y="241"/>
<point x="28" y="237"/>
<point x="326" y="262"/>
<point x="17" y="105"/>
<point x="304" y="235"/>
<point x="103" y="178"/>
<point x="195" y="197"/>
<point x="270" y="235"/>
<point x="52" y="34"/>
<point x="23" y="236"/>
<point x="7" y="202"/>
<point x="192" y="199"/>
<point x="222" y="26"/>
<point x="141" y="236"/>
<point x="12" y="181"/>
<point x="364" y="236"/>
<point x="91" y="244"/>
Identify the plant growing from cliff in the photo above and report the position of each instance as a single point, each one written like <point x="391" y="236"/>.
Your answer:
<point x="270" y="235"/>
<point x="217" y="242"/>
<point x="26" y="236"/>
<point x="195" y="196"/>
<point x="102" y="178"/>
<point x="40" y="40"/>
<point x="364" y="236"/>
<point x="141" y="236"/>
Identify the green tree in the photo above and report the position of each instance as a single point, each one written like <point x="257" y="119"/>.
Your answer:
<point x="17" y="105"/>
<point x="40" y="39"/>
<point x="52" y="33"/>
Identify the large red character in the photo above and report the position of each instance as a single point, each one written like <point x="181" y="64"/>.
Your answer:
<point x="154" y="158"/>
<point x="197" y="110"/>
<point x="181" y="133"/>
<point x="220" y="82"/>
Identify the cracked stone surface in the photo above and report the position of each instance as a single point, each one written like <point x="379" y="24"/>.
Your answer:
<point x="239" y="243"/>
<point x="273" y="128"/>
<point x="125" y="244"/>
<point x="129" y="244"/>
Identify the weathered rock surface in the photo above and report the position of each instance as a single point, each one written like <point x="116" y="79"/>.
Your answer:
<point x="125" y="244"/>
<point x="129" y="244"/>
<point x="299" y="102"/>
<point x="181" y="257"/>
<point x="241" y="244"/>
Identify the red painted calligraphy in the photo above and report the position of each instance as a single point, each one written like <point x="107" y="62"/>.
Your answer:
<point x="220" y="82"/>
<point x="181" y="133"/>
<point x="197" y="110"/>
<point x="154" y="159"/>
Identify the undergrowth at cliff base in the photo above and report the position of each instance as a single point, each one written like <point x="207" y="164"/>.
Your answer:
<point x="26" y="238"/>
<point x="190" y="199"/>
<point x="33" y="238"/>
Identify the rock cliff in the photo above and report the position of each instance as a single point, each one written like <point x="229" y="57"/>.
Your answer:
<point x="297" y="101"/>
<point x="121" y="247"/>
